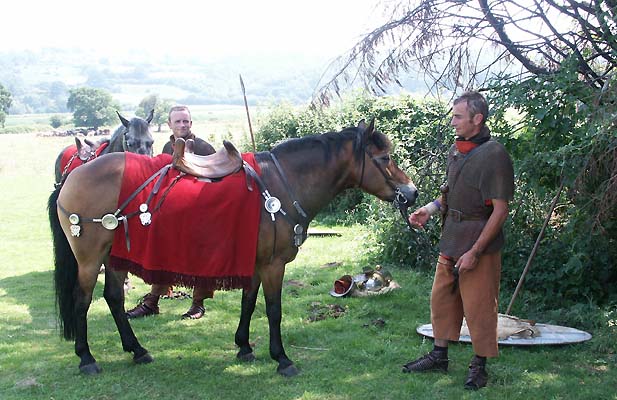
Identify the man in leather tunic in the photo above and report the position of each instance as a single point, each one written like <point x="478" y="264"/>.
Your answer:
<point x="180" y="123"/>
<point x="480" y="183"/>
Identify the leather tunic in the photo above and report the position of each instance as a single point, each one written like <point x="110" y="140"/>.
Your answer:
<point x="487" y="174"/>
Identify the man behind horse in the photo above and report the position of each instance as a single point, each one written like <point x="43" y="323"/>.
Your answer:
<point x="475" y="206"/>
<point x="180" y="123"/>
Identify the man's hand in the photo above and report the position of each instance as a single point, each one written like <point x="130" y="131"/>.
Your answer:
<point x="419" y="217"/>
<point x="467" y="261"/>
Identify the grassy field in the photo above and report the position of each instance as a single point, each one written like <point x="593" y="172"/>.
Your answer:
<point x="212" y="122"/>
<point x="350" y="357"/>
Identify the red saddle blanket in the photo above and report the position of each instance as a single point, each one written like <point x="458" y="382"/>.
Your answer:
<point x="204" y="233"/>
<point x="69" y="155"/>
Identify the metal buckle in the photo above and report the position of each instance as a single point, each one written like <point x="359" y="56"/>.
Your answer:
<point x="456" y="215"/>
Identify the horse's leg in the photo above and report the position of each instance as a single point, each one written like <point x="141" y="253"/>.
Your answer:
<point x="82" y="294"/>
<point x="114" y="296"/>
<point x="249" y="298"/>
<point x="272" y="281"/>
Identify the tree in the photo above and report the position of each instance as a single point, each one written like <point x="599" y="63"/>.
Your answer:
<point x="5" y="104"/>
<point x="91" y="107"/>
<point x="461" y="44"/>
<point x="160" y="106"/>
<point x="554" y="63"/>
<point x="55" y="121"/>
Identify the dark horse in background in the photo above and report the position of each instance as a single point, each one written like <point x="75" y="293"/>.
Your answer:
<point x="317" y="168"/>
<point x="133" y="136"/>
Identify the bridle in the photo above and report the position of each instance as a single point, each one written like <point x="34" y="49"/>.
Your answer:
<point x="400" y="201"/>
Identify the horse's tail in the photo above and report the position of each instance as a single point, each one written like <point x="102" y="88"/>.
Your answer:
<point x="65" y="274"/>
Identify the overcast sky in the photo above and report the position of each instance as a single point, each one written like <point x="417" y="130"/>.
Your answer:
<point x="223" y="27"/>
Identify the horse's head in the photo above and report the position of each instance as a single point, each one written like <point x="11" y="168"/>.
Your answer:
<point x="137" y="137"/>
<point x="379" y="174"/>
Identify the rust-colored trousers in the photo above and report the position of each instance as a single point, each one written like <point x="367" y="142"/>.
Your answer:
<point x="475" y="298"/>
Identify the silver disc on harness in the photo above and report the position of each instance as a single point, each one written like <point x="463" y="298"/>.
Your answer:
<point x="272" y="205"/>
<point x="74" y="219"/>
<point x="143" y="207"/>
<point x="109" y="222"/>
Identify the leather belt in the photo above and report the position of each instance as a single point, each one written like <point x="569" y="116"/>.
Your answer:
<point x="458" y="216"/>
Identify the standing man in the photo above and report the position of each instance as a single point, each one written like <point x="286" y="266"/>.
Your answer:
<point x="480" y="183"/>
<point x="180" y="123"/>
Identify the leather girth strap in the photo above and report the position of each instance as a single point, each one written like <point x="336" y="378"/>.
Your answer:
<point x="222" y="163"/>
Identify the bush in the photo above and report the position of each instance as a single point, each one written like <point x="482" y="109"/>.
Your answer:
<point x="56" y="121"/>
<point x="550" y="137"/>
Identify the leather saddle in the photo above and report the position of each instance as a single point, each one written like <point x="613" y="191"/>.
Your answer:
<point x="224" y="162"/>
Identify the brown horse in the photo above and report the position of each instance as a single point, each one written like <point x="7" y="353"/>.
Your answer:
<point x="305" y="174"/>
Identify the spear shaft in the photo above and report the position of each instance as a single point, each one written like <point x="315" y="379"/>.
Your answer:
<point x="246" y="106"/>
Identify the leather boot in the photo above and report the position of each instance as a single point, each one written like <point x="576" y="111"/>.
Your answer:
<point x="196" y="311"/>
<point x="433" y="361"/>
<point x="477" y="376"/>
<point x="149" y="305"/>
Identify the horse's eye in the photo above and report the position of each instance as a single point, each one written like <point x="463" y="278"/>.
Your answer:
<point x="385" y="159"/>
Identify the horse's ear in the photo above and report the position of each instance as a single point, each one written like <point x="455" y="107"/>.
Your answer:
<point x="371" y="126"/>
<point x="78" y="143"/>
<point x="124" y="121"/>
<point x="366" y="131"/>
<point x="150" y="116"/>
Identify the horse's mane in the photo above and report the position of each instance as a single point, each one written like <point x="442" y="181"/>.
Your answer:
<point x="332" y="142"/>
<point x="120" y="130"/>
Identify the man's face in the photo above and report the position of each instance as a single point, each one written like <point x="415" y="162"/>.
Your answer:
<point x="180" y="123"/>
<point x="465" y="125"/>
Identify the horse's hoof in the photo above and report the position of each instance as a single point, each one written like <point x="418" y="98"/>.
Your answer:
<point x="143" y="359"/>
<point x="90" y="369"/>
<point x="248" y="357"/>
<point x="288" y="371"/>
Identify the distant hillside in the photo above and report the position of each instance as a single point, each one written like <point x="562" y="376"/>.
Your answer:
<point x="39" y="81"/>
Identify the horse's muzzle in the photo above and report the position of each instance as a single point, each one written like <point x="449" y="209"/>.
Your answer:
<point x="406" y="196"/>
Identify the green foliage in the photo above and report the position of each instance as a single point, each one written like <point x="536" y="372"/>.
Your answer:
<point x="5" y="104"/>
<point x="417" y="132"/>
<point x="92" y="107"/>
<point x="352" y="349"/>
<point x="565" y="133"/>
<point x="56" y="121"/>
<point x="555" y="130"/>
<point x="160" y="106"/>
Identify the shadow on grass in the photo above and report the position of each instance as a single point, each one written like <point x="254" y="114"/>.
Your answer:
<point x="339" y="358"/>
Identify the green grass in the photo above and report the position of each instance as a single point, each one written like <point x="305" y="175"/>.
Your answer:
<point x="343" y="358"/>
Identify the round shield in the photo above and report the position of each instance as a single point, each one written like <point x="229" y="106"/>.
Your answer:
<point x="109" y="222"/>
<point x="272" y="205"/>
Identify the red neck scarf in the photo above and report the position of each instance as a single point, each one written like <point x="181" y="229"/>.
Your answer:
<point x="464" y="146"/>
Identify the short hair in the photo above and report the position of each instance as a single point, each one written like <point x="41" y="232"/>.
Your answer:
<point x="476" y="104"/>
<point x="178" y="108"/>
